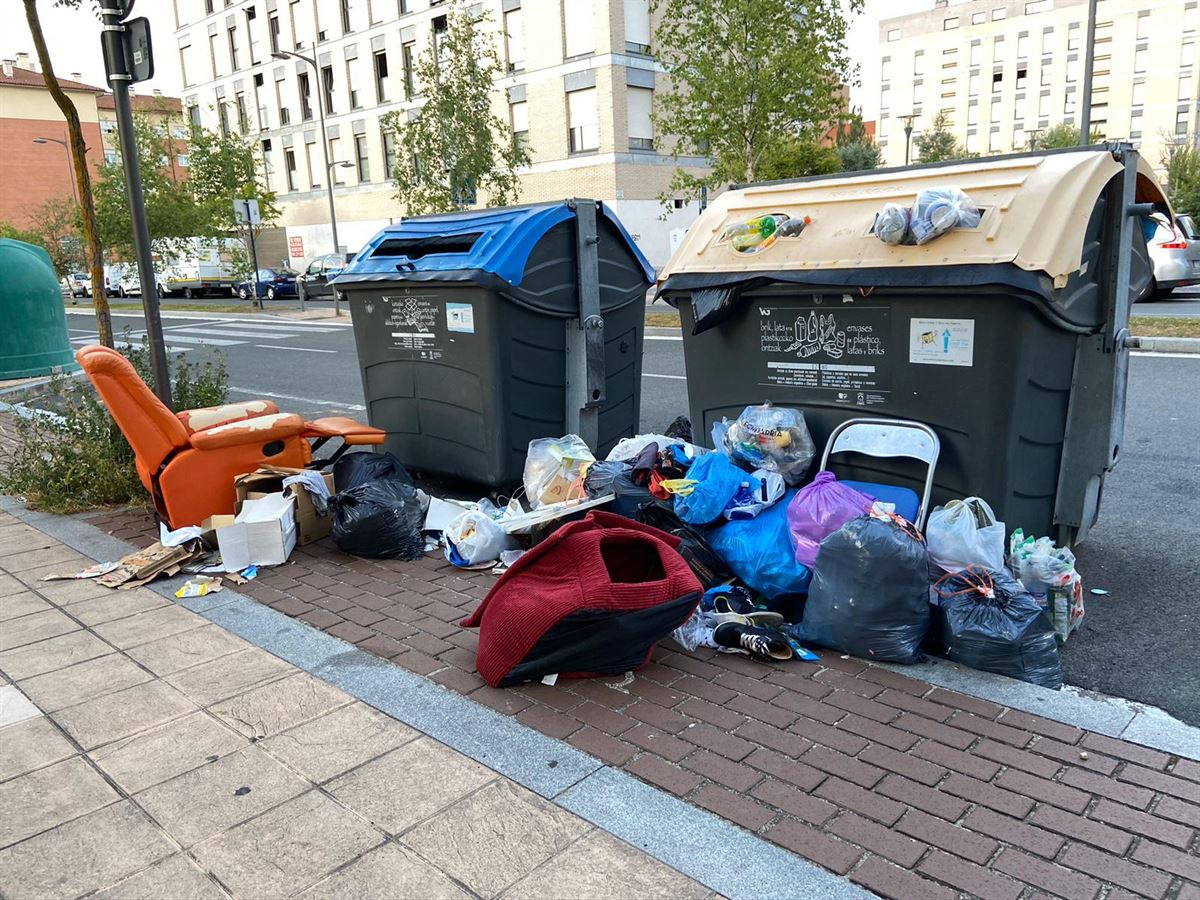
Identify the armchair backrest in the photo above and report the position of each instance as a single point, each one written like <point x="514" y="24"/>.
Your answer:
<point x="153" y="431"/>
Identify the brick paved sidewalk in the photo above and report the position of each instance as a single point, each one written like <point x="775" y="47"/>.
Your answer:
<point x="145" y="752"/>
<point x="909" y="789"/>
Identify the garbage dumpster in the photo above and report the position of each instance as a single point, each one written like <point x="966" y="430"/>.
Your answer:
<point x="34" y="340"/>
<point x="1008" y="338"/>
<point x="480" y="331"/>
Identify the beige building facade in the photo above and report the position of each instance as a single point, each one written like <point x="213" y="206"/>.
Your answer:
<point x="1006" y="70"/>
<point x="579" y="90"/>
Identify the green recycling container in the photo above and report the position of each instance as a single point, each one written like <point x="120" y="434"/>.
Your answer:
<point x="34" y="338"/>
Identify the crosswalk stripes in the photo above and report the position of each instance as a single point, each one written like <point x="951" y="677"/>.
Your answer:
<point x="218" y="332"/>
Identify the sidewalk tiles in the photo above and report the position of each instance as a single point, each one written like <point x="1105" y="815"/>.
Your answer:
<point x="908" y="788"/>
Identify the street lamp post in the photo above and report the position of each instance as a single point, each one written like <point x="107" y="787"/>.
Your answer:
<point x="285" y="54"/>
<point x="908" y="130"/>
<point x="70" y="167"/>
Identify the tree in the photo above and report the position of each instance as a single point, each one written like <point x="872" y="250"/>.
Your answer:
<point x="171" y="211"/>
<point x="56" y="230"/>
<point x="939" y="143"/>
<point x="1181" y="158"/>
<point x="456" y="146"/>
<point x="856" y="149"/>
<point x="83" y="180"/>
<point x="1061" y="136"/>
<point x="747" y="76"/>
<point x="793" y="158"/>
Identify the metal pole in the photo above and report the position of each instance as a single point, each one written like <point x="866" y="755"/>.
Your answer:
<point x="119" y="80"/>
<point x="337" y="310"/>
<point x="253" y="259"/>
<point x="1089" y="53"/>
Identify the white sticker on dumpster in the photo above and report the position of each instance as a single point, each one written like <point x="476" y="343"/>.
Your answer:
<point x="941" y="342"/>
<point x="412" y="320"/>
<point x="460" y="318"/>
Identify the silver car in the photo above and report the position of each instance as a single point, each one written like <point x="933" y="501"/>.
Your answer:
<point x="1175" y="252"/>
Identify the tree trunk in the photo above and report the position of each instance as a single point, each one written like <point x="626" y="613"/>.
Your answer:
<point x="87" y="206"/>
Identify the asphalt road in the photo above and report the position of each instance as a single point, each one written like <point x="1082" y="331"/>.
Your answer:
<point x="1180" y="302"/>
<point x="1140" y="641"/>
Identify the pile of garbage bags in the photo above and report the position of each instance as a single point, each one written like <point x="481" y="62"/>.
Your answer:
<point x="933" y="213"/>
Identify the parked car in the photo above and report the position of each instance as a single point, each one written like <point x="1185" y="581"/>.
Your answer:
<point x="80" y="284"/>
<point x="1174" y="253"/>
<point x="316" y="277"/>
<point x="272" y="284"/>
<point x="122" y="279"/>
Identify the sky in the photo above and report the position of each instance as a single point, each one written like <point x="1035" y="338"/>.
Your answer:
<point x="73" y="37"/>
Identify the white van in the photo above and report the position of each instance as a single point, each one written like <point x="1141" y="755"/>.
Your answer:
<point x="204" y="267"/>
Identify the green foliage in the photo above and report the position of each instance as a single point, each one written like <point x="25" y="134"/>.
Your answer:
<point x="71" y="456"/>
<point x="1061" y="136"/>
<point x="457" y="146"/>
<point x="939" y="142"/>
<point x="1181" y="158"/>
<point x="856" y="149"/>
<point x="56" y="228"/>
<point x="222" y="168"/>
<point x="747" y="76"/>
<point x="795" y="159"/>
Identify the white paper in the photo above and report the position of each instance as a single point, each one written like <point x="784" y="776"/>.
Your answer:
<point x="442" y="512"/>
<point x="179" y="535"/>
<point x="941" y="342"/>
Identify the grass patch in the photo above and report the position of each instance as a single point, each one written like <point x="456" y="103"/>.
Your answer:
<point x="662" y="319"/>
<point x="1165" y="326"/>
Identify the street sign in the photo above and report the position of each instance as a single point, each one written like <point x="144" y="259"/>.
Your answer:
<point x="296" y="247"/>
<point x="246" y="212"/>
<point x="134" y="41"/>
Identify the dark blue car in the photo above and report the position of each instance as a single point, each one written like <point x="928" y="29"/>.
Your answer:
<point x="273" y="284"/>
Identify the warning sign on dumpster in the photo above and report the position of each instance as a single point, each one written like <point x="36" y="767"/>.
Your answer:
<point x="412" y="322"/>
<point x="840" y="351"/>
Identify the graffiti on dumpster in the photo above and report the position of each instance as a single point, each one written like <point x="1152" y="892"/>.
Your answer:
<point x="840" y="352"/>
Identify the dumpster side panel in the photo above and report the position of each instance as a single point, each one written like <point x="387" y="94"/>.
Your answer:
<point x="989" y="373"/>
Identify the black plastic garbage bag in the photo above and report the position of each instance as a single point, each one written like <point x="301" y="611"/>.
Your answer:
<point x="354" y="469"/>
<point x="870" y="591"/>
<point x="616" y="478"/>
<point x="988" y="621"/>
<point x="693" y="545"/>
<point x="380" y="519"/>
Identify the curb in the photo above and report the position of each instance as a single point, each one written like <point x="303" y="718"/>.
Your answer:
<point x="1166" y="344"/>
<point x="689" y="839"/>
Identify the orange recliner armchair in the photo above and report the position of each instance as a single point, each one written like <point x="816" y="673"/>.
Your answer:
<point x="188" y="461"/>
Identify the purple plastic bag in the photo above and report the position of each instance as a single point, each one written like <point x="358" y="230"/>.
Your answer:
<point x="820" y="509"/>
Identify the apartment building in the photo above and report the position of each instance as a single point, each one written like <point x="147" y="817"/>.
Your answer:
<point x="35" y="158"/>
<point x="1006" y="70"/>
<point x="166" y="115"/>
<point x="578" y="89"/>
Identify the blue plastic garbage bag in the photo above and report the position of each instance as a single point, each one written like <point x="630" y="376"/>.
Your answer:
<point x="761" y="553"/>
<point x="718" y="481"/>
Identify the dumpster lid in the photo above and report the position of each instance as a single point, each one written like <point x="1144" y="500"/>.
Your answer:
<point x="1036" y="208"/>
<point x="497" y="241"/>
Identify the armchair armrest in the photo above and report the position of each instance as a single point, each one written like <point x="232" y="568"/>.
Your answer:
<point x="259" y="430"/>
<point x="195" y="420"/>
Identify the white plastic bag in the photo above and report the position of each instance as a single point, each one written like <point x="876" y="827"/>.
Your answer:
<point x="964" y="533"/>
<point x="477" y="538"/>
<point x="554" y="469"/>
<point x="1048" y="573"/>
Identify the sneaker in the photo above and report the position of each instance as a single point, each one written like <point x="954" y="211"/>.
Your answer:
<point x="733" y="604"/>
<point x="751" y="640"/>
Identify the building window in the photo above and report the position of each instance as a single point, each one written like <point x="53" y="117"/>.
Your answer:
<point x="1038" y="6"/>
<point x="998" y="14"/>
<point x="579" y="27"/>
<point x="313" y="181"/>
<point x="972" y="142"/>
<point x="1022" y="78"/>
<point x="519" y="117"/>
<point x="305" y="89"/>
<point x="273" y="32"/>
<point x="1073" y="37"/>
<point x="223" y="115"/>
<point x="1185" y="86"/>
<point x="406" y="63"/>
<point x="193" y="115"/>
<point x="251" y="14"/>
<point x="1143" y="25"/>
<point x="1138" y="98"/>
<point x="994" y="140"/>
<point x="1135" y="124"/>
<point x="641" y="126"/>
<point x="1044" y="106"/>
<point x="978" y="18"/>
<point x="345" y="10"/>
<point x="1069" y="102"/>
<point x="637" y="26"/>
<point x="885" y="68"/>
<point x="916" y="94"/>
<point x="233" y="49"/>
<point x="995" y="117"/>
<point x="997" y="81"/>
<point x="582" y="121"/>
<point x="1181" y="122"/>
<point x="918" y="63"/>
<point x="389" y="153"/>
<point x="972" y="115"/>
<point x="285" y="116"/>
<point x="973" y="84"/>
<point x="1022" y="46"/>
<point x="1018" y="137"/>
<point x="950" y="23"/>
<point x="292" y="21"/>
<point x="1187" y="55"/>
<point x="998" y="49"/>
<point x="381" y="76"/>
<point x="1045" y="79"/>
<point x="514" y="40"/>
<point x="360" y="156"/>
<point x="885" y="97"/>
<point x="208" y="7"/>
<point x="976" y="53"/>
<point x="182" y="161"/>
<point x="354" y="104"/>
<point x="335" y="152"/>
<point x="243" y="117"/>
<point x="893" y="34"/>
<point x="110" y="157"/>
<point x="1048" y="41"/>
<point x="183" y="72"/>
<point x="327" y="87"/>
<point x="439" y="39"/>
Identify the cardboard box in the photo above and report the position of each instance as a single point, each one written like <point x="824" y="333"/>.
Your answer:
<point x="263" y="533"/>
<point x="310" y="527"/>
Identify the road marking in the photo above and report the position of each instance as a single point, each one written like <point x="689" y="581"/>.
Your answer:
<point x="301" y="349"/>
<point x="259" y="317"/>
<point x="271" y="326"/>
<point x="133" y="345"/>
<point x="335" y="403"/>
<point x="211" y="342"/>
<point x="1164" y="355"/>
<point x="261" y="335"/>
<point x="662" y="337"/>
<point x="672" y="377"/>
